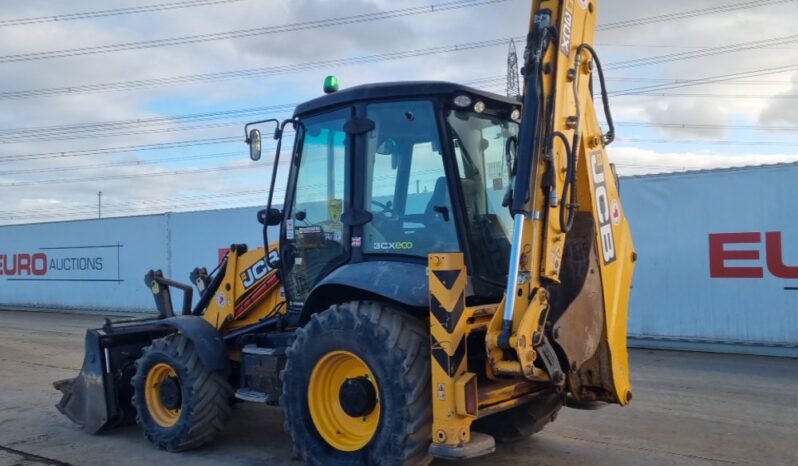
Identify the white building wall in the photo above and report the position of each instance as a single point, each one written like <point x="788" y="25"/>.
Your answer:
<point x="677" y="300"/>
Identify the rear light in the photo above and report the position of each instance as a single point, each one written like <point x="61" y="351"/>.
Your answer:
<point x="471" y="397"/>
<point x="466" y="395"/>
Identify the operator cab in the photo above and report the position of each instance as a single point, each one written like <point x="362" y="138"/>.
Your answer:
<point x="391" y="172"/>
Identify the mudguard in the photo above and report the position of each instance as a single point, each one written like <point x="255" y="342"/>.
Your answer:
<point x="403" y="282"/>
<point x="109" y="364"/>
<point x="208" y="342"/>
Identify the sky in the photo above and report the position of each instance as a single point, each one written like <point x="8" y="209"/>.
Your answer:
<point x="148" y="107"/>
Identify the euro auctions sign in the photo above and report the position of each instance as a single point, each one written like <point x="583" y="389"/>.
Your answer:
<point x="93" y="263"/>
<point x="23" y="264"/>
<point x="739" y="255"/>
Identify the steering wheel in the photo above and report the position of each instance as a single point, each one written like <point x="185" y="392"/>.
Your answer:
<point x="387" y="209"/>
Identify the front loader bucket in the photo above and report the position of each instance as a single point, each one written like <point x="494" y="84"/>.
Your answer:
<point x="84" y="401"/>
<point x="99" y="397"/>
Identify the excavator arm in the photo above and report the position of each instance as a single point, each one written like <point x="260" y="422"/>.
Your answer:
<point x="563" y="318"/>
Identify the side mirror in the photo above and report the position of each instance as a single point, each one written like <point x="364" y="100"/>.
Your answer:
<point x="271" y="218"/>
<point x="254" y="141"/>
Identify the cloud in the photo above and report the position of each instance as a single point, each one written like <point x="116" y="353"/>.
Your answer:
<point x="636" y="161"/>
<point x="672" y="112"/>
<point x="412" y="32"/>
<point x="782" y="108"/>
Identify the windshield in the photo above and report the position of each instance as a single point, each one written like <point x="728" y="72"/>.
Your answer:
<point x="480" y="142"/>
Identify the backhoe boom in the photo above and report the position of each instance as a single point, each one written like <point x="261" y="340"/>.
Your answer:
<point x="572" y="256"/>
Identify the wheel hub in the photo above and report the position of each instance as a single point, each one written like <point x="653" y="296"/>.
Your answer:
<point x="170" y="393"/>
<point x="162" y="394"/>
<point x="358" y="396"/>
<point x="343" y="400"/>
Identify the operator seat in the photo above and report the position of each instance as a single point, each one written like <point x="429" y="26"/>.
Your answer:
<point x="440" y="198"/>
<point x="440" y="233"/>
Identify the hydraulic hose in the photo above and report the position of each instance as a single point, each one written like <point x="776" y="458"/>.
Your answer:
<point x="529" y="148"/>
<point x="609" y="136"/>
<point x="570" y="196"/>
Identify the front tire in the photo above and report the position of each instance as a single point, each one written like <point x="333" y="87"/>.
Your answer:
<point x="356" y="387"/>
<point x="179" y="404"/>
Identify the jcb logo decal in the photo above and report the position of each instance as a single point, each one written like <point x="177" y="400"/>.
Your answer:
<point x="606" y="235"/>
<point x="258" y="270"/>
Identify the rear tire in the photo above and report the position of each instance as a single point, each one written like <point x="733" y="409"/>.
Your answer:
<point x="193" y="409"/>
<point x="523" y="421"/>
<point x="392" y="348"/>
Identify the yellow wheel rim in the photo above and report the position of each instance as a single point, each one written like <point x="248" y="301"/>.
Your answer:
<point x="339" y="429"/>
<point x="159" y="412"/>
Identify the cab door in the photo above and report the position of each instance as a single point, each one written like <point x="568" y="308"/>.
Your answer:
<point x="315" y="240"/>
<point x="406" y="189"/>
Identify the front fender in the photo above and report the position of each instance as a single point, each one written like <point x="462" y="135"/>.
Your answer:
<point x="208" y="342"/>
<point x="400" y="282"/>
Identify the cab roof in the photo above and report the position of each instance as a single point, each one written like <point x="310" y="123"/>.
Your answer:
<point x="390" y="90"/>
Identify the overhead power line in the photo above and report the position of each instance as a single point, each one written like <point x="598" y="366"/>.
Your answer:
<point x="732" y="82"/>
<point x="662" y="84"/>
<point x="120" y="149"/>
<point x="132" y="148"/>
<point x="166" y="42"/>
<point x="112" y="12"/>
<point x="250" y="73"/>
<point x="48" y="133"/>
<point x="709" y="141"/>
<point x="324" y="64"/>
<point x="705" y="52"/>
<point x="79" y="213"/>
<point x="693" y="126"/>
<point x="689" y="14"/>
<point x="277" y="29"/>
<point x="131" y="163"/>
<point x="118" y="134"/>
<point x="706" y="80"/>
<point x="707" y="126"/>
<point x="138" y="127"/>
<point x="139" y="122"/>
<point x="194" y="171"/>
<point x="666" y="46"/>
<point x="712" y="96"/>
<point x="137" y="205"/>
<point x="26" y="216"/>
<point x="73" y="131"/>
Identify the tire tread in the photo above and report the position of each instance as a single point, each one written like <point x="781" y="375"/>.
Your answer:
<point x="207" y="409"/>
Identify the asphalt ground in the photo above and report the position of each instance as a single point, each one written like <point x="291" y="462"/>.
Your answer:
<point x="689" y="408"/>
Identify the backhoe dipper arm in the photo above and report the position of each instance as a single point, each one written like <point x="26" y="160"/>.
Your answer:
<point x="571" y="256"/>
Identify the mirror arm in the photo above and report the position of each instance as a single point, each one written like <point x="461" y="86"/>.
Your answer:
<point x="270" y="120"/>
<point x="278" y="132"/>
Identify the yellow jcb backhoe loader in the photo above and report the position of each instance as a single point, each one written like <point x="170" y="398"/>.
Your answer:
<point x="452" y="268"/>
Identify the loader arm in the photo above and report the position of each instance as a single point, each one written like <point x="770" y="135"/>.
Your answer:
<point x="563" y="318"/>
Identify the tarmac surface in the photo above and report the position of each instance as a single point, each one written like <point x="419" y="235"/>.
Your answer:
<point x="689" y="409"/>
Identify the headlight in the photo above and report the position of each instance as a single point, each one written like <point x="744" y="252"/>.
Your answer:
<point x="479" y="107"/>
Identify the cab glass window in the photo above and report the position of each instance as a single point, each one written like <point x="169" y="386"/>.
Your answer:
<point x="406" y="187"/>
<point x="314" y="231"/>
<point x="480" y="144"/>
